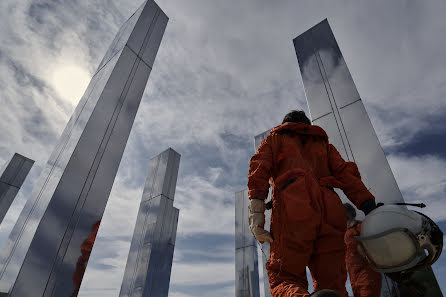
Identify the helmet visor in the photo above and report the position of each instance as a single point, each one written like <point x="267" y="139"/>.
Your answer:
<point x="393" y="249"/>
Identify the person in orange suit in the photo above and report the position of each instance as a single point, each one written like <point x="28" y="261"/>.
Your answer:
<point x="364" y="280"/>
<point x="308" y="220"/>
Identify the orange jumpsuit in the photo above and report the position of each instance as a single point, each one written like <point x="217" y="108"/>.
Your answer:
<point x="364" y="280"/>
<point x="308" y="220"/>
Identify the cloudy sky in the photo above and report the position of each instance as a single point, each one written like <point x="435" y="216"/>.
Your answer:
<point x="225" y="71"/>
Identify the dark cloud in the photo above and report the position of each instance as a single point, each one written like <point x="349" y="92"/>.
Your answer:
<point x="433" y="143"/>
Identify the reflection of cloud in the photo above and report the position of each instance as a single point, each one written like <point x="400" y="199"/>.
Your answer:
<point x="328" y="65"/>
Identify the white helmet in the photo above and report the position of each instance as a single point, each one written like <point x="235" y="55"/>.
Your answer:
<point x="398" y="240"/>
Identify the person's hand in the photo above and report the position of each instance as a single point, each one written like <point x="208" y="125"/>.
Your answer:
<point x="257" y="221"/>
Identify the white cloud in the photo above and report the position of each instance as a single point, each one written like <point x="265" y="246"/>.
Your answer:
<point x="422" y="179"/>
<point x="204" y="208"/>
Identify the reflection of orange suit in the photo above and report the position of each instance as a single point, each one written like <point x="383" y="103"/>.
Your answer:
<point x="364" y="280"/>
<point x="82" y="261"/>
<point x="308" y="219"/>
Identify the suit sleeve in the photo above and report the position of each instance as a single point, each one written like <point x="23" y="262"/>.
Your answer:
<point x="348" y="174"/>
<point x="260" y="167"/>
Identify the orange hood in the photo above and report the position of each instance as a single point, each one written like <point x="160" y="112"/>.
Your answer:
<point x="300" y="128"/>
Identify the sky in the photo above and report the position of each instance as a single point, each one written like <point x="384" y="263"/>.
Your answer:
<point x="225" y="72"/>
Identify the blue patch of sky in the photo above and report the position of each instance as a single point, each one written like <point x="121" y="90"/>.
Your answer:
<point x="429" y="143"/>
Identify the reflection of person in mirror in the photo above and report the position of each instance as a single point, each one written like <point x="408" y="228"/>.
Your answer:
<point x="82" y="261"/>
<point x="364" y="280"/>
<point x="308" y="219"/>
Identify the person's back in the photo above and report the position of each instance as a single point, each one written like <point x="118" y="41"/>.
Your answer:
<point x="308" y="218"/>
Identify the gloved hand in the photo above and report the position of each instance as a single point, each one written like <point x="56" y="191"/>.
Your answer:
<point x="257" y="220"/>
<point x="367" y="206"/>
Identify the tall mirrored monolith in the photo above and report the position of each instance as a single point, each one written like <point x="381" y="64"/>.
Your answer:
<point x="11" y="179"/>
<point x="147" y="273"/>
<point x="48" y="248"/>
<point x="246" y="258"/>
<point x="336" y="106"/>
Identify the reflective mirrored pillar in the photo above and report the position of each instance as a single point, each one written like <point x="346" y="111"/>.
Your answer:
<point x="246" y="265"/>
<point x="335" y="105"/>
<point x="246" y="258"/>
<point x="55" y="232"/>
<point x="265" y="246"/>
<point x="11" y="179"/>
<point x="149" y="263"/>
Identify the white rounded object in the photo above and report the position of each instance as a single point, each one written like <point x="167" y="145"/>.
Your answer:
<point x="389" y="217"/>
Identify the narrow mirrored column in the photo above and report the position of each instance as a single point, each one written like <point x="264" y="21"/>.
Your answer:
<point x="149" y="263"/>
<point x="11" y="179"/>
<point x="336" y="106"/>
<point x="246" y="258"/>
<point x="49" y="246"/>
<point x="265" y="246"/>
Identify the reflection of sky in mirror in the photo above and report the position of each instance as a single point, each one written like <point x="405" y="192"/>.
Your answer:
<point x="334" y="103"/>
<point x="225" y="72"/>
